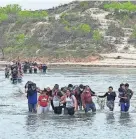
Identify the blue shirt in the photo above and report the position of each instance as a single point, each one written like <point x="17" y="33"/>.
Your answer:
<point x="32" y="99"/>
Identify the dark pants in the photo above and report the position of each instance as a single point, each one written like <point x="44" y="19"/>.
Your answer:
<point x="52" y="104"/>
<point x="14" y="80"/>
<point x="32" y="107"/>
<point x="30" y="71"/>
<point x="6" y="75"/>
<point x="110" y="105"/>
<point x="44" y="70"/>
<point x="58" y="110"/>
<point x="25" y="70"/>
<point x="35" y="70"/>
<point x="124" y="106"/>
<point x="69" y="111"/>
<point x="90" y="106"/>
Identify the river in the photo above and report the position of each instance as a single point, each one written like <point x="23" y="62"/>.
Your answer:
<point x="17" y="123"/>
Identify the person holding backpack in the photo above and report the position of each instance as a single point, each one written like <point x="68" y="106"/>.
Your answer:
<point x="31" y="91"/>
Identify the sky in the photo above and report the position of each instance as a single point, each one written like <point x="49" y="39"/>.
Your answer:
<point x="34" y="4"/>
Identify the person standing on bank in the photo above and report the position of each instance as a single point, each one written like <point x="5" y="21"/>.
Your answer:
<point x="111" y="95"/>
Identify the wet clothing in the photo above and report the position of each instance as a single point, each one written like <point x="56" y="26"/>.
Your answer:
<point x="124" y="103"/>
<point x="44" y="68"/>
<point x="69" y="105"/>
<point x="129" y="94"/>
<point x="58" y="110"/>
<point x="56" y="102"/>
<point x="6" y="72"/>
<point x="32" y="96"/>
<point x="124" y="107"/>
<point x="110" y="99"/>
<point x="43" y="100"/>
<point x="90" y="106"/>
<point x="86" y="97"/>
<point x="87" y="101"/>
<point x="32" y="107"/>
<point x="110" y="105"/>
<point x="30" y="70"/>
<point x="35" y="69"/>
<point x="25" y="68"/>
<point x="77" y="94"/>
<point x="70" y="102"/>
<point x="122" y="93"/>
<point x="110" y="96"/>
<point x="70" y="111"/>
<point x="43" y="109"/>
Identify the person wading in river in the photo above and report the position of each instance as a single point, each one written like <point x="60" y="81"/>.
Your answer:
<point x="87" y="101"/>
<point x="56" y="93"/>
<point x="31" y="91"/>
<point x="70" y="103"/>
<point x="111" y="95"/>
<point x="124" y="98"/>
<point x="43" y="102"/>
<point x="7" y="70"/>
<point x="129" y="94"/>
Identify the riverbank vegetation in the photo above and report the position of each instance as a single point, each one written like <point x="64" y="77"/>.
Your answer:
<point x="65" y="31"/>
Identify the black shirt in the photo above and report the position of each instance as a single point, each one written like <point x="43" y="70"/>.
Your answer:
<point x="110" y="96"/>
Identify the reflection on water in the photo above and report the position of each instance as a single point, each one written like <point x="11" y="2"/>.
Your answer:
<point x="17" y="123"/>
<point x="110" y="118"/>
<point x="125" y="119"/>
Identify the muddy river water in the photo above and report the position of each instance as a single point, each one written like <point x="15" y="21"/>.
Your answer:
<point x="17" y="123"/>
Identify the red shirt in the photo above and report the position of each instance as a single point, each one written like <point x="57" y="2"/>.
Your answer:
<point x="43" y="100"/>
<point x="86" y="97"/>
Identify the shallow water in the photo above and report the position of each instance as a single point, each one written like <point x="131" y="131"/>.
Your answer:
<point x="15" y="122"/>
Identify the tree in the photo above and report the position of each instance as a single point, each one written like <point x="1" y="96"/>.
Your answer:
<point x="97" y="36"/>
<point x="84" y="28"/>
<point x="2" y="42"/>
<point x="128" y="6"/>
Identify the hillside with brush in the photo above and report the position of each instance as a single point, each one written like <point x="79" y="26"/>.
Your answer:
<point x="78" y="30"/>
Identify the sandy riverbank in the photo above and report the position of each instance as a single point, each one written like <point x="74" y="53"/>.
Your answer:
<point x="108" y="60"/>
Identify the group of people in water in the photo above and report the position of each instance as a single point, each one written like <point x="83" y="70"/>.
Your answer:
<point x="33" y="67"/>
<point x="16" y="70"/>
<point x="72" y="98"/>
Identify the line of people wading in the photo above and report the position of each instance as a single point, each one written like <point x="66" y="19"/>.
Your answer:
<point x="72" y="98"/>
<point x="16" y="70"/>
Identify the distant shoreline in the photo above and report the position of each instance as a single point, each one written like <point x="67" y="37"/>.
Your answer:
<point x="96" y="64"/>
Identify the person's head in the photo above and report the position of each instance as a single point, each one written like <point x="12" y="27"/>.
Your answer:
<point x="126" y="85"/>
<point x="68" y="92"/>
<point x="81" y="86"/>
<point x="87" y="89"/>
<point x="122" y="86"/>
<point x="110" y="89"/>
<point x="56" y="86"/>
<point x="70" y="86"/>
<point x="44" y="92"/>
<point x="48" y="89"/>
